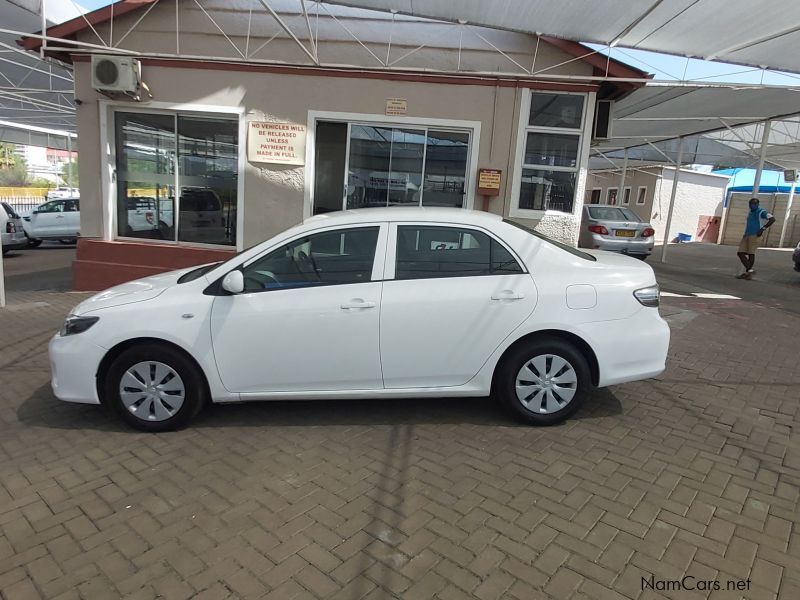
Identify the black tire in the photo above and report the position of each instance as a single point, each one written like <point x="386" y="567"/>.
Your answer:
<point x="164" y="230"/>
<point x="34" y="243"/>
<point x="193" y="380"/>
<point x="506" y="377"/>
<point x="66" y="241"/>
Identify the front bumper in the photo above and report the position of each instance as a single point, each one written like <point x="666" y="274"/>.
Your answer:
<point x="74" y="361"/>
<point x="625" y="245"/>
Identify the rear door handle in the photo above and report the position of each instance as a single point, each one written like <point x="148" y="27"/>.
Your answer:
<point x="507" y="295"/>
<point x="356" y="303"/>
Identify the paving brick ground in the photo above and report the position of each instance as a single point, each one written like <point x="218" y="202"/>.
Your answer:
<point x="695" y="473"/>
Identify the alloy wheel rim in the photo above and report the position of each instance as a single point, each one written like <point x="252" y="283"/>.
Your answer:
<point x="152" y="391"/>
<point x="546" y="384"/>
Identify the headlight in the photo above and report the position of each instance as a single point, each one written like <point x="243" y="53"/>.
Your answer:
<point x="648" y="296"/>
<point x="74" y="324"/>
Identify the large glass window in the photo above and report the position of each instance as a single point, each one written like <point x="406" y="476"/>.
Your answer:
<point x="327" y="258"/>
<point x="384" y="165"/>
<point x="551" y="152"/>
<point x="158" y="154"/>
<point x="426" y="252"/>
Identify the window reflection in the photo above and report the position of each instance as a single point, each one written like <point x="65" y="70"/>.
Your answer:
<point x="204" y="150"/>
<point x="207" y="168"/>
<point x="547" y="190"/>
<point x="445" y="168"/>
<point x="145" y="146"/>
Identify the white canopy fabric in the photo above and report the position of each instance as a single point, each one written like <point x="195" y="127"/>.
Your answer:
<point x="759" y="33"/>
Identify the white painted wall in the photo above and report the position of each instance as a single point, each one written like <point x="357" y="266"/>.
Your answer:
<point x="698" y="194"/>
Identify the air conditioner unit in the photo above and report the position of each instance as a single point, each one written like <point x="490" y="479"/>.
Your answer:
<point x="603" y="116"/>
<point x="116" y="74"/>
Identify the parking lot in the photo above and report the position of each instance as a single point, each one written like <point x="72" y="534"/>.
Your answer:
<point x="695" y="473"/>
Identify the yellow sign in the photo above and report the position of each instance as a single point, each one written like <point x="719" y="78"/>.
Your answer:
<point x="489" y="182"/>
<point x="396" y="106"/>
<point x="282" y="143"/>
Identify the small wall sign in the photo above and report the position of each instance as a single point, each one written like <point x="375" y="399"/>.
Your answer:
<point x="489" y="182"/>
<point x="396" y="106"/>
<point x="272" y="142"/>
<point x="790" y="175"/>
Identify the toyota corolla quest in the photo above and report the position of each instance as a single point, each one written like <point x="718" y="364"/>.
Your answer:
<point x="397" y="302"/>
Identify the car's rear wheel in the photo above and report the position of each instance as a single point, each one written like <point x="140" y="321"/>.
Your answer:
<point x="154" y="387"/>
<point x="543" y="381"/>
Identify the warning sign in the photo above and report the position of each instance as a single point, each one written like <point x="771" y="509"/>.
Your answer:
<point x="489" y="182"/>
<point x="396" y="106"/>
<point x="270" y="142"/>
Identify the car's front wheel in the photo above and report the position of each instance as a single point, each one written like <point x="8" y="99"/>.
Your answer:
<point x="154" y="387"/>
<point x="543" y="381"/>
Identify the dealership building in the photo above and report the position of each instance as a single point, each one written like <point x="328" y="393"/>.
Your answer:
<point x="204" y="129"/>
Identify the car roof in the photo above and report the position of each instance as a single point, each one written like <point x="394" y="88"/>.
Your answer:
<point x="406" y="213"/>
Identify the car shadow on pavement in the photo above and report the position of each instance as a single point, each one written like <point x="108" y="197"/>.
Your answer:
<point x="42" y="409"/>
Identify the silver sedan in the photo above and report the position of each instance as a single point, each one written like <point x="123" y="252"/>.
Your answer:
<point x="617" y="229"/>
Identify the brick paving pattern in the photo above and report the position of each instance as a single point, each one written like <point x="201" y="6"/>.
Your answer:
<point x="695" y="473"/>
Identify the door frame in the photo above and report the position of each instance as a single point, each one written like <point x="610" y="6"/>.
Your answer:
<point x="472" y="127"/>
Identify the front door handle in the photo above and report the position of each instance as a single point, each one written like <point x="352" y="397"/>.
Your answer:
<point x="357" y="303"/>
<point x="507" y="295"/>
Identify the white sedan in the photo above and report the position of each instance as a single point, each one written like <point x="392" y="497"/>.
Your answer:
<point x="388" y="302"/>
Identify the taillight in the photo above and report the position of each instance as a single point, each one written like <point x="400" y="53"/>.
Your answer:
<point x="10" y="228"/>
<point x="649" y="231"/>
<point x="598" y="229"/>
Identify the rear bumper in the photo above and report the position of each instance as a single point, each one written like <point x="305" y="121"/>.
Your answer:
<point x="14" y="241"/>
<point x="630" y="349"/>
<point x="624" y="245"/>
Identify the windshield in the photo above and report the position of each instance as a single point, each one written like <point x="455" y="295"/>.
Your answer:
<point x="612" y="213"/>
<point x="565" y="247"/>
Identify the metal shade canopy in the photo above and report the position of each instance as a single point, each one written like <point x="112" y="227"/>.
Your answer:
<point x="721" y="124"/>
<point x="759" y="33"/>
<point x="35" y="93"/>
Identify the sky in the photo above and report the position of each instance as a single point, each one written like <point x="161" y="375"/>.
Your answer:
<point x="664" y="67"/>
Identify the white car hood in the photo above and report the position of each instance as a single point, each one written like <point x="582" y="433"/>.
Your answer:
<point x="138" y="290"/>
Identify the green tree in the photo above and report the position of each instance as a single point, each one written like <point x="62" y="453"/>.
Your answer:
<point x="13" y="170"/>
<point x="65" y="173"/>
<point x="8" y="156"/>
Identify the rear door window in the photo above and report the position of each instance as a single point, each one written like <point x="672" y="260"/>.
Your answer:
<point x="425" y="252"/>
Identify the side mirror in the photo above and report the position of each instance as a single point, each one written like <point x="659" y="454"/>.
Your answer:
<point x="233" y="282"/>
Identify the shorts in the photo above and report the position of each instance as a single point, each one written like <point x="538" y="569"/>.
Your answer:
<point x="749" y="244"/>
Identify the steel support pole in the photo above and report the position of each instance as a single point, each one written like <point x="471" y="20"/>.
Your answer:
<point x="621" y="192"/>
<point x="787" y="215"/>
<point x="2" y="279"/>
<point x="672" y="195"/>
<point x="69" y="164"/>
<point x="762" y="155"/>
